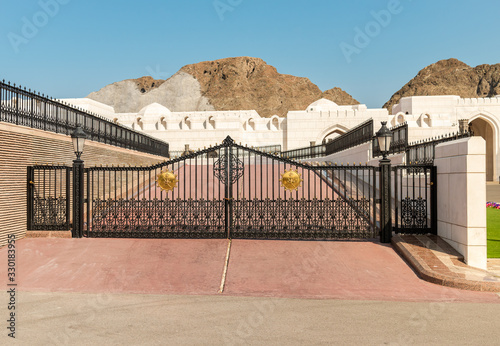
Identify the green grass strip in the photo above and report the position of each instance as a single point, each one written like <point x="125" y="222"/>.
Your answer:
<point x="493" y="222"/>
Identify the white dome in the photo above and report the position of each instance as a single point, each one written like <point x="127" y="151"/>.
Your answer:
<point x="322" y="105"/>
<point x="154" y="110"/>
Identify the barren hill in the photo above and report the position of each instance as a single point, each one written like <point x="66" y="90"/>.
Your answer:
<point x="241" y="83"/>
<point x="451" y="77"/>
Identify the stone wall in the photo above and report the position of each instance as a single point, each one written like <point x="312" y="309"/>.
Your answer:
<point x="21" y="147"/>
<point x="461" y="179"/>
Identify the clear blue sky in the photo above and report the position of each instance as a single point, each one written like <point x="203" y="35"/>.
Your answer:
<point x="82" y="46"/>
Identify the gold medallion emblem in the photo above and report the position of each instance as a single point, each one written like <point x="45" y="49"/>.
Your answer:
<point x="167" y="180"/>
<point x="290" y="180"/>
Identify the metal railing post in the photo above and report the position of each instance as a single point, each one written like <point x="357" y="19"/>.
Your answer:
<point x="31" y="196"/>
<point x="385" y="201"/>
<point x="78" y="172"/>
<point x="228" y="191"/>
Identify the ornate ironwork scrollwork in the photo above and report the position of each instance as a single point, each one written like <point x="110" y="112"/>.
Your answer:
<point x="300" y="219"/>
<point x="228" y="162"/>
<point x="414" y="213"/>
<point x="176" y="218"/>
<point x="49" y="213"/>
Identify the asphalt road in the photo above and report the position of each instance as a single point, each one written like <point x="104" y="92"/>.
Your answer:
<point x="135" y="319"/>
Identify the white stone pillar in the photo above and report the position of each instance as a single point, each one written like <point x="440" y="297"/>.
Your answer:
<point x="461" y="180"/>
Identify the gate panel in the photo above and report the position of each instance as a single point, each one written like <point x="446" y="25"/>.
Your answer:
<point x="49" y="192"/>
<point x="328" y="202"/>
<point x="232" y="191"/>
<point x="130" y="202"/>
<point x="415" y="193"/>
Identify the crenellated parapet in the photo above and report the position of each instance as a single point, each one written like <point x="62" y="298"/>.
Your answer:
<point x="479" y="101"/>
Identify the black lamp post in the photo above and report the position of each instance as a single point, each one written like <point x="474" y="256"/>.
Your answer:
<point x="78" y="137"/>
<point x="384" y="138"/>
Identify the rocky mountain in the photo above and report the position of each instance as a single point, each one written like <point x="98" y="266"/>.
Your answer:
<point x="181" y="92"/>
<point x="241" y="83"/>
<point x="451" y="77"/>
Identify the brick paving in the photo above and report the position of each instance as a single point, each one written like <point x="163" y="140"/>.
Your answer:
<point x="436" y="261"/>
<point x="347" y="270"/>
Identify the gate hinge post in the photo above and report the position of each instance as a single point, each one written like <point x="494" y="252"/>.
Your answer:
<point x="78" y="195"/>
<point x="385" y="203"/>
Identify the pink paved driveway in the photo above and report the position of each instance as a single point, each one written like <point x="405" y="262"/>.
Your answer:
<point x="119" y="265"/>
<point x="305" y="269"/>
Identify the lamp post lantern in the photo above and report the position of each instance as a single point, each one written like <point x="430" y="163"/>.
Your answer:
<point x="78" y="137"/>
<point x="384" y="138"/>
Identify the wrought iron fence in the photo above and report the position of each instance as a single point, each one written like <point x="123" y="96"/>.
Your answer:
<point x="424" y="152"/>
<point x="358" y="135"/>
<point x="257" y="195"/>
<point x="399" y="141"/>
<point x="305" y="153"/>
<point x="272" y="149"/>
<point x="23" y="107"/>
<point x="49" y="197"/>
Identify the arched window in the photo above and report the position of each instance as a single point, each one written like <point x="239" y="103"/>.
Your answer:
<point x="187" y="123"/>
<point x="251" y="125"/>
<point x="400" y="119"/>
<point x="426" y="120"/>
<point x="275" y="124"/>
<point x="138" y="125"/>
<point x="162" y="124"/>
<point x="484" y="127"/>
<point x="210" y="123"/>
<point x="329" y="137"/>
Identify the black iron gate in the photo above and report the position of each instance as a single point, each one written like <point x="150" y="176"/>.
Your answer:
<point x="49" y="202"/>
<point x="231" y="191"/>
<point x="415" y="199"/>
<point x="235" y="192"/>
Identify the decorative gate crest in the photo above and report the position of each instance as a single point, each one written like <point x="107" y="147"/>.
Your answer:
<point x="228" y="163"/>
<point x="167" y="180"/>
<point x="290" y="180"/>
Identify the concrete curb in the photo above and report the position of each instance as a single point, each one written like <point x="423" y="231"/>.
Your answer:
<point x="423" y="269"/>
<point x="48" y="234"/>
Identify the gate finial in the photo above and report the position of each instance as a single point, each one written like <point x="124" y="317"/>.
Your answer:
<point x="228" y="141"/>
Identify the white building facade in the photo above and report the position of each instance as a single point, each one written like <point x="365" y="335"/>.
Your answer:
<point x="426" y="116"/>
<point x="320" y="121"/>
<point x="429" y="116"/>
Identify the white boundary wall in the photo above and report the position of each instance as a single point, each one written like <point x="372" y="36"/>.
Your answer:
<point x="461" y="179"/>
